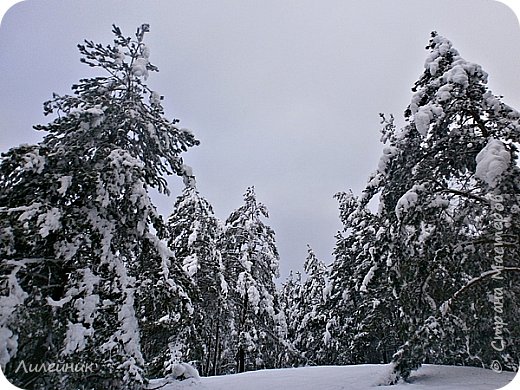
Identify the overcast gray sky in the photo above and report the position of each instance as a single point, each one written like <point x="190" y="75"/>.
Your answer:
<point x="283" y="95"/>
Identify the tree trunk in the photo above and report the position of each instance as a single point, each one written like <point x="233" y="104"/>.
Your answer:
<point x="217" y="343"/>
<point x="241" y="359"/>
<point x="241" y="354"/>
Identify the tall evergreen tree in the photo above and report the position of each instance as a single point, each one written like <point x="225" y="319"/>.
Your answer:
<point x="361" y="307"/>
<point x="437" y="180"/>
<point x="312" y="318"/>
<point x="75" y="220"/>
<point x="194" y="234"/>
<point x="293" y="310"/>
<point x="251" y="262"/>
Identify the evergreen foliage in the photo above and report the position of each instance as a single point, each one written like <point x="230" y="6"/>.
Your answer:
<point x="77" y="225"/>
<point x="251" y="262"/>
<point x="460" y="159"/>
<point x="424" y="268"/>
<point x="194" y="235"/>
<point x="293" y="310"/>
<point x="310" y="332"/>
<point x="361" y="305"/>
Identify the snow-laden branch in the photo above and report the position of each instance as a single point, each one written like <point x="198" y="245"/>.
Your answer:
<point x="446" y="305"/>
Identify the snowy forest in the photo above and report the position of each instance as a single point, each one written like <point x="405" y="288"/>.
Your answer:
<point x="96" y="282"/>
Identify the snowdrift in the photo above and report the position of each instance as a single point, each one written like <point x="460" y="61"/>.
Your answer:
<point x="360" y="377"/>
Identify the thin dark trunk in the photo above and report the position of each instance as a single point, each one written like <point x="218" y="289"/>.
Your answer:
<point x="207" y="369"/>
<point x="241" y="354"/>
<point x="217" y="343"/>
<point x="241" y="359"/>
<point x="385" y="352"/>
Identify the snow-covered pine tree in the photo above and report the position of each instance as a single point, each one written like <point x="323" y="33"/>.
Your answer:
<point x="293" y="310"/>
<point x="75" y="217"/>
<point x="312" y="319"/>
<point x="251" y="262"/>
<point x="360" y="305"/>
<point x="194" y="233"/>
<point x="164" y="307"/>
<point x="437" y="180"/>
<point x="290" y="295"/>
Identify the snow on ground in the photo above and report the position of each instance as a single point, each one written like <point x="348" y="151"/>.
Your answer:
<point x="361" y="377"/>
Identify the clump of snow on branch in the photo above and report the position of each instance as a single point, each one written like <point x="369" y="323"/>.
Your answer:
<point x="190" y="264"/>
<point x="407" y="201"/>
<point x="188" y="177"/>
<point x="426" y="115"/>
<point x="8" y="304"/>
<point x="122" y="158"/>
<point x="388" y="153"/>
<point x="155" y="98"/>
<point x="492" y="161"/>
<point x="87" y="306"/>
<point x="128" y="334"/>
<point x="140" y="65"/>
<point x="254" y="297"/>
<point x="119" y="56"/>
<point x="194" y="234"/>
<point x="442" y="47"/>
<point x="64" y="184"/>
<point x="75" y="338"/>
<point x="327" y="336"/>
<point x="50" y="221"/>
<point x="368" y="277"/>
<point x="97" y="115"/>
<point x="29" y="212"/>
<point x="34" y="162"/>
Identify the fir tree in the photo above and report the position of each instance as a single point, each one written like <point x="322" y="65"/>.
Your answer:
<point x="76" y="217"/>
<point x="437" y="180"/>
<point x="194" y="234"/>
<point x="251" y="262"/>
<point x="361" y="307"/>
<point x="311" y="318"/>
<point x="291" y="306"/>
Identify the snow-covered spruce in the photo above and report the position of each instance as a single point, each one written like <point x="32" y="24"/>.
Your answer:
<point x="293" y="309"/>
<point x="193" y="236"/>
<point x="76" y="226"/>
<point x="360" y="307"/>
<point x="311" y="335"/>
<point x="250" y="259"/>
<point x="437" y="227"/>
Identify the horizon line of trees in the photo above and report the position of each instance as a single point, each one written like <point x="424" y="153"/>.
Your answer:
<point x="90" y="272"/>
